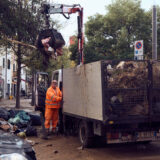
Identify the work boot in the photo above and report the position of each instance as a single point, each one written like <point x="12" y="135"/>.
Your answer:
<point x="47" y="131"/>
<point x="51" y="132"/>
<point x="44" y="137"/>
<point x="55" y="131"/>
<point x="45" y="134"/>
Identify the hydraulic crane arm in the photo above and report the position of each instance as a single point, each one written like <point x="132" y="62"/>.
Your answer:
<point x="63" y="9"/>
<point x="60" y="8"/>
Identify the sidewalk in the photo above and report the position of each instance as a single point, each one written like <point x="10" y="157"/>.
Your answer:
<point x="25" y="104"/>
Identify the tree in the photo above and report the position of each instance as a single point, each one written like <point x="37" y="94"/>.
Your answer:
<point x="74" y="50"/>
<point x="124" y="23"/>
<point x="63" y="60"/>
<point x="6" y="16"/>
<point x="112" y="36"/>
<point x="22" y="24"/>
<point x="26" y="31"/>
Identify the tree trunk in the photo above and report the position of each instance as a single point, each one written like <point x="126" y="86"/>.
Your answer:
<point x="33" y="92"/>
<point x="18" y="77"/>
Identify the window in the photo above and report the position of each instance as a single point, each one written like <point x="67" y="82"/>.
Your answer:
<point x="8" y="89"/>
<point x="14" y="68"/>
<point x="42" y="80"/>
<point x="3" y="62"/>
<point x="55" y="76"/>
<point x="9" y="62"/>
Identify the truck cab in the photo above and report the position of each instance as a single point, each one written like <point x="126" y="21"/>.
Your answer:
<point x="41" y="84"/>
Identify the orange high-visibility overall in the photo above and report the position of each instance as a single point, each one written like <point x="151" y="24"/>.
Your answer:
<point x="52" y="104"/>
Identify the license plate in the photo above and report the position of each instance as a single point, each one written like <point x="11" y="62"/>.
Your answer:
<point x="145" y="134"/>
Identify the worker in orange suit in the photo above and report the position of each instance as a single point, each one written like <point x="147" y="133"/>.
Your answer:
<point x="52" y="105"/>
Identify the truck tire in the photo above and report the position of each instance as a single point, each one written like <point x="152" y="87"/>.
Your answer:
<point x="86" y="134"/>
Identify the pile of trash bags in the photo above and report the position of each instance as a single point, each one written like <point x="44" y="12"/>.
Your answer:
<point x="19" y="121"/>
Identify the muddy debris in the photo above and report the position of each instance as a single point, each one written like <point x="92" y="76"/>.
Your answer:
<point x="55" y="152"/>
<point x="127" y="82"/>
<point x="49" y="145"/>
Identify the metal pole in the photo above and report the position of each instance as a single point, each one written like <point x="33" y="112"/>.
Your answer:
<point x="154" y="33"/>
<point x="5" y="82"/>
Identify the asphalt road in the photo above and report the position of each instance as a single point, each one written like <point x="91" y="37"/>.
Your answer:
<point x="68" y="148"/>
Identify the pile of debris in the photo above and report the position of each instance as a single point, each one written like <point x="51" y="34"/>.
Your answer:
<point x="156" y="74"/>
<point x="128" y="74"/>
<point x="18" y="122"/>
<point x="128" y="82"/>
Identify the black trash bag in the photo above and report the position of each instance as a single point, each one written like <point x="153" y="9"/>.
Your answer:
<point x="13" y="112"/>
<point x="35" y="120"/>
<point x="56" y="40"/>
<point x="4" y="114"/>
<point x="116" y="105"/>
<point x="22" y="119"/>
<point x="49" y="40"/>
<point x="31" y="131"/>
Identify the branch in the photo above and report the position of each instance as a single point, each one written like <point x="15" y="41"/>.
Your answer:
<point x="12" y="47"/>
<point x="21" y="43"/>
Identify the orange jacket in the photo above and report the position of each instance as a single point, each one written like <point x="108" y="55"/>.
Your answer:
<point x="53" y="98"/>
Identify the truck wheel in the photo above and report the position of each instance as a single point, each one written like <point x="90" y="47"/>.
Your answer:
<point x="86" y="134"/>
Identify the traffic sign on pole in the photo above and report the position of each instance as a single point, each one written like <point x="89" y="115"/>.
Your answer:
<point x="138" y="50"/>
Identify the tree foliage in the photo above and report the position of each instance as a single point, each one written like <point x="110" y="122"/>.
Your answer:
<point x="112" y="36"/>
<point x="21" y="22"/>
<point x="124" y="23"/>
<point x="6" y="17"/>
<point x="62" y="61"/>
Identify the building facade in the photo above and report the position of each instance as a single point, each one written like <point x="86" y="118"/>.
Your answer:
<point x="8" y="74"/>
<point x="5" y="71"/>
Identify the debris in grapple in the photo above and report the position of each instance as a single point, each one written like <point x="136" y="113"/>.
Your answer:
<point x="50" y="42"/>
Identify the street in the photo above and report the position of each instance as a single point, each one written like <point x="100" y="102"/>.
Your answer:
<point x="67" y="148"/>
<point x="89" y="85"/>
<point x="59" y="147"/>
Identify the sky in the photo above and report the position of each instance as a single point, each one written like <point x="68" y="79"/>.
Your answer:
<point x="91" y="7"/>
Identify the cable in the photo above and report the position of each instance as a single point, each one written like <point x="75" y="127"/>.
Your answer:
<point x="66" y="16"/>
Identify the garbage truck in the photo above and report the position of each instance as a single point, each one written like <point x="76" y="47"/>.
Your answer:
<point x="115" y="101"/>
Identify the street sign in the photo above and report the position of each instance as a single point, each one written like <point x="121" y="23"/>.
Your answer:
<point x="138" y="45"/>
<point x="138" y="50"/>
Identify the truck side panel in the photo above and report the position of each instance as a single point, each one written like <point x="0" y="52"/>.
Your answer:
<point x="82" y="91"/>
